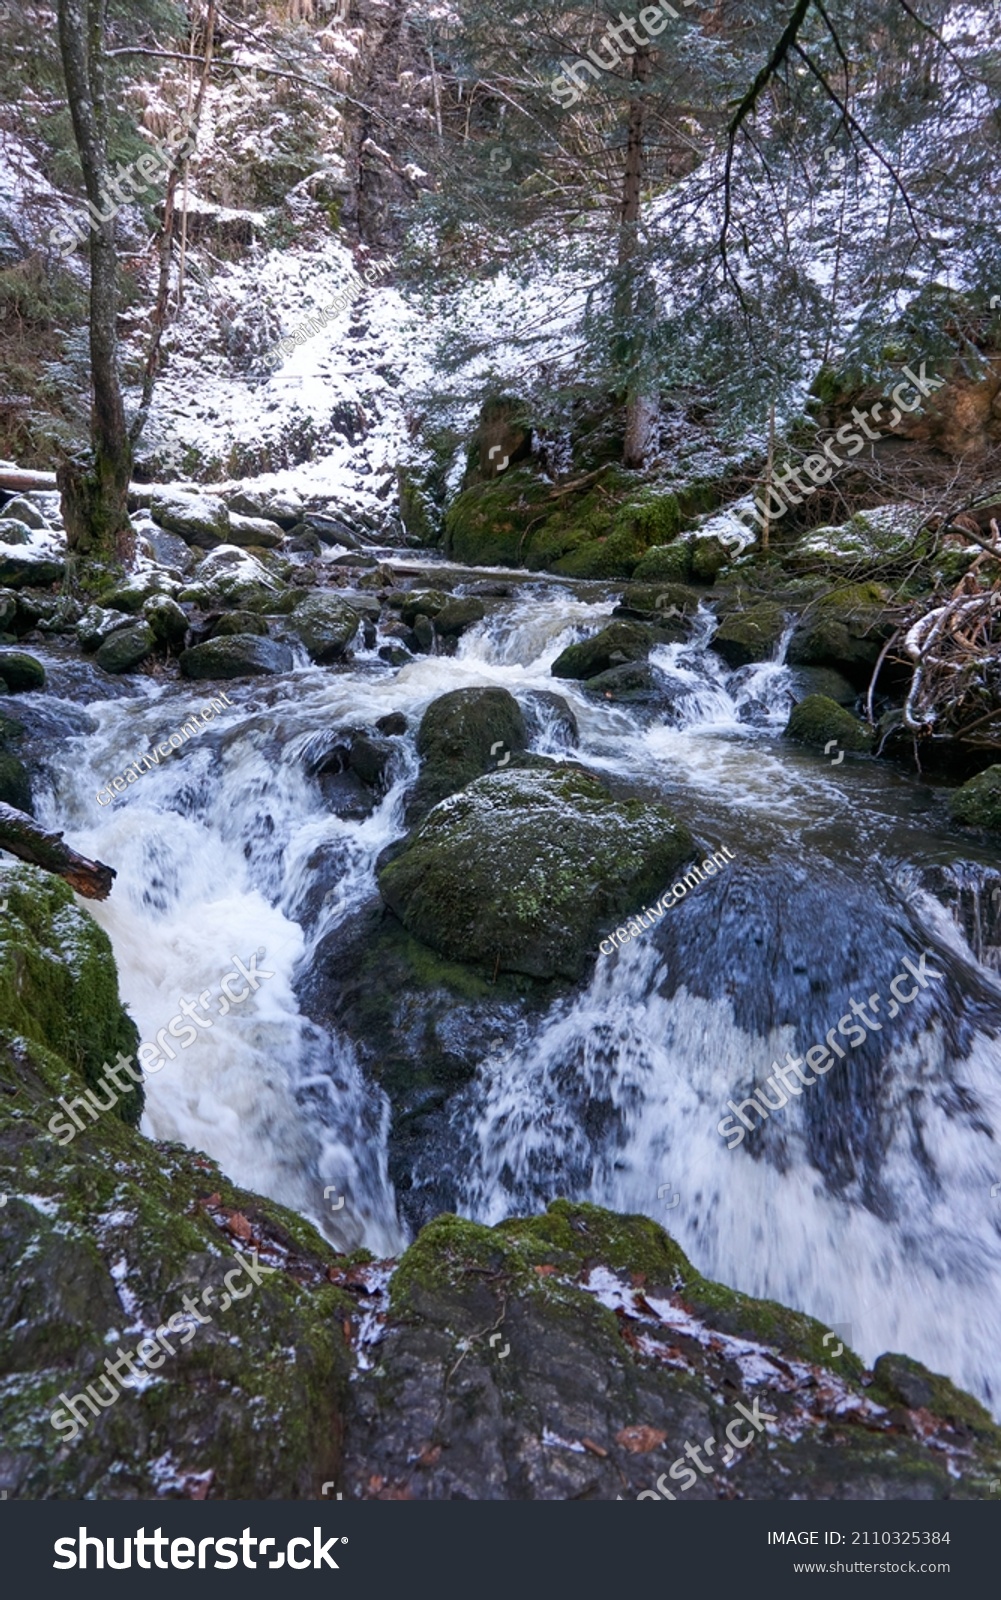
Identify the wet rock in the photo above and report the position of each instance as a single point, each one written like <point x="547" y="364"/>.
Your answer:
<point x="331" y="530"/>
<point x="325" y="625"/>
<point x="428" y="603"/>
<point x="239" y="578"/>
<point x="132" y="595"/>
<point x="820" y="721"/>
<point x="372" y="760"/>
<point x="612" y="647"/>
<point x="825" y="681"/>
<point x="254" y="531"/>
<point x="14" y="531"/>
<point x="307" y="543"/>
<point x="494" y="875"/>
<point x="462" y="735"/>
<point x="393" y="723"/>
<point x="8" y="610"/>
<point x="21" y="672"/>
<point x="747" y="636"/>
<point x="661" y="599"/>
<point x="239" y="622"/>
<point x="126" y="648"/>
<point x="845" y="631"/>
<point x="200" y="519"/>
<point x="635" y="683"/>
<point x="709" y="556"/>
<point x="22" y="510"/>
<point x="977" y="803"/>
<point x="423" y="635"/>
<point x="454" y="618"/>
<point x="241" y="655"/>
<point x="15" y="784"/>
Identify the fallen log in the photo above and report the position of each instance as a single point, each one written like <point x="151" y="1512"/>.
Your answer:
<point x="22" y="837"/>
<point x="19" y="480"/>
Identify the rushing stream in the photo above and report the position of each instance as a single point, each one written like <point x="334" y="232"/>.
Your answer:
<point x="866" y="1200"/>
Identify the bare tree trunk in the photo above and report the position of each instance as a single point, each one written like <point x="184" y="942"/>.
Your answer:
<point x="642" y="406"/>
<point x="95" y="486"/>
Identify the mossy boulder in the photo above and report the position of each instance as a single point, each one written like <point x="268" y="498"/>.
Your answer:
<point x="670" y="563"/>
<point x="238" y="578"/>
<point x="96" y="625"/>
<point x="820" y="721"/>
<point x="462" y="735"/>
<point x="423" y="602"/>
<point x="131" y="596"/>
<point x="612" y="1352"/>
<point x="869" y="537"/>
<point x="709" y="557"/>
<point x="978" y="802"/>
<point x="21" y="672"/>
<point x="239" y="622"/>
<point x="126" y="648"/>
<point x="845" y="630"/>
<point x="15" y="784"/>
<point x="661" y="599"/>
<point x="522" y="870"/>
<point x="749" y="635"/>
<point x="611" y="647"/>
<point x="453" y="619"/>
<point x="167" y="620"/>
<point x="28" y="567"/>
<point x="21" y="509"/>
<point x="324" y="625"/>
<point x="613" y="556"/>
<point x="200" y="519"/>
<point x="241" y="655"/>
<point x="58" y="983"/>
<point x="253" y="532"/>
<point x="823" y="680"/>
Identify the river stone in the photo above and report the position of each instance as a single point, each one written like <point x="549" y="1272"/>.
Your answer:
<point x="748" y="636"/>
<point x="634" y="683"/>
<point x="96" y="625"/>
<point x="977" y="803"/>
<point x="240" y="622"/>
<point x="8" y="609"/>
<point x="167" y="549"/>
<point x="20" y="568"/>
<point x="242" y="655"/>
<point x="238" y="577"/>
<point x="428" y="603"/>
<point x="14" y="531"/>
<point x="523" y="870"/>
<point x="324" y="624"/>
<point x="823" y="680"/>
<point x="671" y="563"/>
<point x="612" y="647"/>
<point x="549" y="716"/>
<point x="25" y="511"/>
<point x="454" y="618"/>
<point x="15" y="784"/>
<point x="132" y="595"/>
<point x="200" y="519"/>
<point x="165" y="617"/>
<point x="462" y="735"/>
<point x="820" y="721"/>
<point x="247" y="531"/>
<point x="21" y="672"/>
<point x="846" y="631"/>
<point x="126" y="648"/>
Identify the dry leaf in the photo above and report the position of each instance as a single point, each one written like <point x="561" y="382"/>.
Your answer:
<point x="640" y="1439"/>
<point x="237" y="1224"/>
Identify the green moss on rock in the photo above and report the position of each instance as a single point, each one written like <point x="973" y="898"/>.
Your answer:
<point x="978" y="802"/>
<point x="819" y="721"/>
<point x="749" y="635"/>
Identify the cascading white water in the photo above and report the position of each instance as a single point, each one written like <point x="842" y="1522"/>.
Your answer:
<point x="217" y="854"/>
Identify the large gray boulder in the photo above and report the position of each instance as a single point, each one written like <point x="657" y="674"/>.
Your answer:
<point x="240" y="655"/>
<point x="126" y="648"/>
<point x="200" y="519"/>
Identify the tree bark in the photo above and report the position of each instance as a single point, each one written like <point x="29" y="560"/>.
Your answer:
<point x="94" y="485"/>
<point x="22" y="837"/>
<point x="635" y="300"/>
